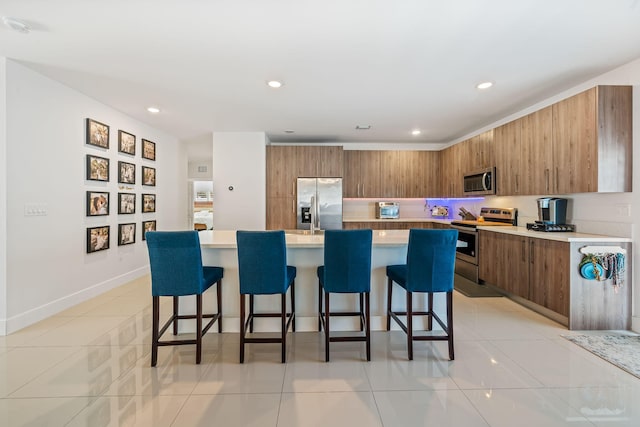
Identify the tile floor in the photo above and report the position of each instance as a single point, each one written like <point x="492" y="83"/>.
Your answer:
<point x="89" y="366"/>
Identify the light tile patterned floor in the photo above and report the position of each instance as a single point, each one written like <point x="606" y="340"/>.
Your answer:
<point x="89" y="366"/>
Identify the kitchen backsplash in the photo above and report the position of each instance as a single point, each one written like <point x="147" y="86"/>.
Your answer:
<point x="364" y="209"/>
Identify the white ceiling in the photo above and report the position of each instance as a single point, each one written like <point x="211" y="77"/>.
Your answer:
<point x="392" y="64"/>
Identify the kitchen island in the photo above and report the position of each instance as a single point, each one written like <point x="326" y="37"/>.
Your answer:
<point x="306" y="252"/>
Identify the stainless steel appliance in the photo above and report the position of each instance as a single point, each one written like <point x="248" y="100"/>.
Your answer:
<point x="467" y="248"/>
<point x="480" y="182"/>
<point x="319" y="204"/>
<point x="552" y="215"/>
<point x="387" y="210"/>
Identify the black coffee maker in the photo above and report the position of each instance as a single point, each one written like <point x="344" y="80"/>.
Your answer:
<point x="552" y="215"/>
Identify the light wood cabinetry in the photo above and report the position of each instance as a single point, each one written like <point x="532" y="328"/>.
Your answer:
<point x="451" y="171"/>
<point x="579" y="145"/>
<point x="531" y="268"/>
<point x="284" y="165"/>
<point x="361" y="174"/>
<point x="592" y="141"/>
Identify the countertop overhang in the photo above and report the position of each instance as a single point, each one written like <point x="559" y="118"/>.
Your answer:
<point x="558" y="236"/>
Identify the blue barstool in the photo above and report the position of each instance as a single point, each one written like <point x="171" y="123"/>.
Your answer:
<point x="263" y="270"/>
<point x="176" y="270"/>
<point x="431" y="256"/>
<point x="346" y="269"/>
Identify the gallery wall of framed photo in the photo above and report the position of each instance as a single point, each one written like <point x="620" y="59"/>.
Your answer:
<point x="136" y="181"/>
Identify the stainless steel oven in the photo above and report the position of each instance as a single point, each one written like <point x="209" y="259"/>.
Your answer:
<point x="467" y="251"/>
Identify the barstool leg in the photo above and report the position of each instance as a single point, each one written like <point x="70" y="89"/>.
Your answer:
<point x="326" y="326"/>
<point x="450" y="323"/>
<point x="198" y="329"/>
<point x="283" y="321"/>
<point x="219" y="297"/>
<point x="293" y="306"/>
<point x="175" y="315"/>
<point x="368" y="327"/>
<point x="319" y="306"/>
<point x="361" y="297"/>
<point x="430" y="311"/>
<point x="410" y="325"/>
<point x="242" y="327"/>
<point x="251" y="313"/>
<point x="389" y="290"/>
<point x="154" y="332"/>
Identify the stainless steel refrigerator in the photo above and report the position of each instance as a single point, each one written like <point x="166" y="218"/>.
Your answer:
<point x="319" y="203"/>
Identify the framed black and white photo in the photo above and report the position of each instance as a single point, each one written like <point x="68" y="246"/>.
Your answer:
<point x="148" y="226"/>
<point x="97" y="134"/>
<point x="148" y="176"/>
<point x="97" y="238"/>
<point x="126" y="173"/>
<point x="126" y="203"/>
<point x="148" y="150"/>
<point x="97" y="168"/>
<point x="148" y="203"/>
<point x="126" y="143"/>
<point x="97" y="203"/>
<point x="126" y="234"/>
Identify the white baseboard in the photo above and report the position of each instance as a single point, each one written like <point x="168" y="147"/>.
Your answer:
<point x="37" y="314"/>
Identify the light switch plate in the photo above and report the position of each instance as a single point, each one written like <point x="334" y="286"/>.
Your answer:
<point x="35" y="209"/>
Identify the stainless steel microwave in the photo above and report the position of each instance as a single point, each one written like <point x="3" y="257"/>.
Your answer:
<point x="480" y="182"/>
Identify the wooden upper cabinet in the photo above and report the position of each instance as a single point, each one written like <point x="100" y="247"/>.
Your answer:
<point x="536" y="152"/>
<point x="507" y="146"/>
<point x="451" y="171"/>
<point x="281" y="171"/>
<point x="318" y="161"/>
<point x="479" y="152"/>
<point x="361" y="174"/>
<point x="592" y="141"/>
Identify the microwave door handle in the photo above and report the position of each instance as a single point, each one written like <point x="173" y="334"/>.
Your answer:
<point x="486" y="181"/>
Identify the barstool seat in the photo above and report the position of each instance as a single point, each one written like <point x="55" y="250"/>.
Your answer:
<point x="263" y="270"/>
<point x="176" y="270"/>
<point x="346" y="269"/>
<point x="429" y="269"/>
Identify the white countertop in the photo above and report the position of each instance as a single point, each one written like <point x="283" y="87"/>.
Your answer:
<point x="417" y="219"/>
<point x="226" y="239"/>
<point x="559" y="236"/>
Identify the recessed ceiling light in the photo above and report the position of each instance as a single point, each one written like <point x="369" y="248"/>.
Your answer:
<point x="274" y="84"/>
<point x="416" y="132"/>
<point x="289" y="131"/>
<point x="16" y="25"/>
<point x="484" y="85"/>
<point x="363" y="127"/>
<point x="153" y="110"/>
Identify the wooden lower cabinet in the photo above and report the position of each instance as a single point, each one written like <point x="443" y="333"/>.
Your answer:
<point x="281" y="213"/>
<point x="535" y="269"/>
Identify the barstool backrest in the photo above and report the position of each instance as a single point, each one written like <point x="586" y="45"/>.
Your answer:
<point x="347" y="261"/>
<point x="262" y="262"/>
<point x="431" y="257"/>
<point x="176" y="263"/>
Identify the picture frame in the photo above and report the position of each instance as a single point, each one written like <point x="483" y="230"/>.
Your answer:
<point x="126" y="173"/>
<point x="126" y="203"/>
<point x="126" y="143"/>
<point x="148" y="176"/>
<point x="148" y="203"/>
<point x="97" y="134"/>
<point x="97" y="168"/>
<point x="148" y="226"/>
<point x="148" y="150"/>
<point x="97" y="203"/>
<point x="98" y="238"/>
<point x="126" y="234"/>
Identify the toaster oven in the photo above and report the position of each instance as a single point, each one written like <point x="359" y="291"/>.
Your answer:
<point x="387" y="210"/>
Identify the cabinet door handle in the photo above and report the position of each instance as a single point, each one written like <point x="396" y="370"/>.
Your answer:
<point x="524" y="250"/>
<point x="556" y="181"/>
<point x="546" y="179"/>
<point x="517" y="183"/>
<point x="531" y="252"/>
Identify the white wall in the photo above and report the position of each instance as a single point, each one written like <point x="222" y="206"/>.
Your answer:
<point x="239" y="161"/>
<point x="3" y="195"/>
<point x="48" y="268"/>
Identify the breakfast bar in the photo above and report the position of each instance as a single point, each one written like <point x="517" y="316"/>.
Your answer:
<point x="305" y="252"/>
